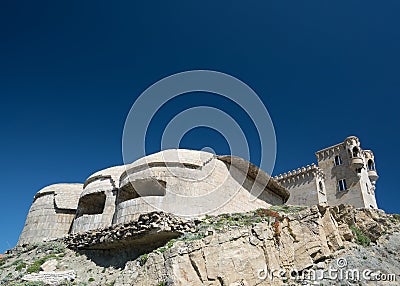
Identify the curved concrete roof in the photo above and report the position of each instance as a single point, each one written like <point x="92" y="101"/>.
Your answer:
<point x="184" y="156"/>
<point x="66" y="195"/>
<point x="114" y="173"/>
<point x="200" y="158"/>
<point x="193" y="158"/>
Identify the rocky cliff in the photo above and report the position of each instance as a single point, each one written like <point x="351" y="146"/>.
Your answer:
<point x="285" y="245"/>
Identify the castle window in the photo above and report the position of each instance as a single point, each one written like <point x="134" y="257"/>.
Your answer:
<point x="366" y="185"/>
<point x="321" y="187"/>
<point x="356" y="152"/>
<point x="371" y="165"/>
<point x="338" y="161"/>
<point x="342" y="185"/>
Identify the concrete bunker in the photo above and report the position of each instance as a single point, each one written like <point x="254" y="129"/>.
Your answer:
<point x="52" y="213"/>
<point x="97" y="202"/>
<point x="151" y="184"/>
<point x="165" y="181"/>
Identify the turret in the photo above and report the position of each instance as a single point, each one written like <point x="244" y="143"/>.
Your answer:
<point x="370" y="164"/>
<point x="354" y="151"/>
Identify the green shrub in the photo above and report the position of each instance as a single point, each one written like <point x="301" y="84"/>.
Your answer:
<point x="20" y="266"/>
<point x="16" y="262"/>
<point x="143" y="259"/>
<point x="171" y="243"/>
<point x="361" y="238"/>
<point x="2" y="261"/>
<point x="287" y="209"/>
<point x="91" y="279"/>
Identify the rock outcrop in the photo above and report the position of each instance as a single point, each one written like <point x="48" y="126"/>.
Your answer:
<point x="282" y="245"/>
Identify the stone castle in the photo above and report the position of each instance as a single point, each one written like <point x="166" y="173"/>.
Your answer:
<point x="345" y="174"/>
<point x="168" y="181"/>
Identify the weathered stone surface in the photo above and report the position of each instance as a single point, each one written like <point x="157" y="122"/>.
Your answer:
<point x="307" y="240"/>
<point x="51" y="213"/>
<point x="49" y="265"/>
<point x="230" y="249"/>
<point x="51" y="278"/>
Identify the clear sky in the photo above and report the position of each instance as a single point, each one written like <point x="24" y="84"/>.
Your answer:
<point x="70" y="72"/>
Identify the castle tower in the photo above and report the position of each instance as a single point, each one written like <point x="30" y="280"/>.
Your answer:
<point x="347" y="177"/>
<point x="345" y="174"/>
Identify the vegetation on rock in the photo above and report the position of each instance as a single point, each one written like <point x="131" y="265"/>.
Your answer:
<point x="361" y="238"/>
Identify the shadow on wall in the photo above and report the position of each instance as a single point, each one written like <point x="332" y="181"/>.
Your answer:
<point x="91" y="204"/>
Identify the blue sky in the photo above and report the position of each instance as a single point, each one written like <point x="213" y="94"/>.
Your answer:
<point x="70" y="72"/>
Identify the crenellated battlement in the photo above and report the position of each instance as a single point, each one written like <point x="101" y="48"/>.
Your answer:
<point x="329" y="152"/>
<point x="300" y="173"/>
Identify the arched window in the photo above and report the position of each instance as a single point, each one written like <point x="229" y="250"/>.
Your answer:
<point x="342" y="185"/>
<point x="338" y="160"/>
<point x="356" y="152"/>
<point x="321" y="187"/>
<point x="371" y="165"/>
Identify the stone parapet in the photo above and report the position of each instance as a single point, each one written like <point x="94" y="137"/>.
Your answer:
<point x="300" y="173"/>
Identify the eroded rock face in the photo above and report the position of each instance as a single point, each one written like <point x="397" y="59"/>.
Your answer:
<point x="52" y="277"/>
<point x="233" y="249"/>
<point x="300" y="241"/>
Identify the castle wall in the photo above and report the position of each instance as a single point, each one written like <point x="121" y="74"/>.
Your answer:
<point x="303" y="191"/>
<point x="306" y="186"/>
<point x="368" y="191"/>
<point x="51" y="213"/>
